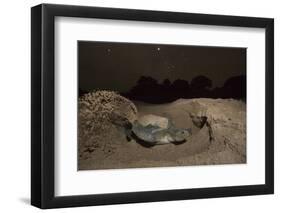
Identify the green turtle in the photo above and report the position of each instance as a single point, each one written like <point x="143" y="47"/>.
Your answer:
<point x="154" y="130"/>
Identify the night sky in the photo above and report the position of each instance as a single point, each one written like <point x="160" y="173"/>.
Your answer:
<point x="118" y="66"/>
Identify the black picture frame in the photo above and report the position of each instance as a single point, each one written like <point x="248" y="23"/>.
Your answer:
<point x="43" y="117"/>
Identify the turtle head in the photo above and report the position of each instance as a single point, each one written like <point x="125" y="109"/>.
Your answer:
<point x="182" y="134"/>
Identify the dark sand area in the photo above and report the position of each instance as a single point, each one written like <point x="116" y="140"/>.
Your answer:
<point x="218" y="134"/>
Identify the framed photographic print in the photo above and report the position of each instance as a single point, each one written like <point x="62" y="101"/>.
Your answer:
<point x="139" y="106"/>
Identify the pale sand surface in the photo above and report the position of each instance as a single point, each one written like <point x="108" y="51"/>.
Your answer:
<point x="222" y="139"/>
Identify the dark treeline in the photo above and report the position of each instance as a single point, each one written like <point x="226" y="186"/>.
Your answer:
<point x="149" y="90"/>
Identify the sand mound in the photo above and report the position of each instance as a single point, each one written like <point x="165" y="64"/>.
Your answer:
<point x="226" y="120"/>
<point x="97" y="111"/>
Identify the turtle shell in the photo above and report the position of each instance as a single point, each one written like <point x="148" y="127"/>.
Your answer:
<point x="154" y="120"/>
<point x="146" y="126"/>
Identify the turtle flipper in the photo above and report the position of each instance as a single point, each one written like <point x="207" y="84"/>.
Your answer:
<point x="128" y="133"/>
<point x="129" y="138"/>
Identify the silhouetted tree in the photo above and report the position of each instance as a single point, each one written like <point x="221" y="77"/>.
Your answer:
<point x="146" y="86"/>
<point x="201" y="82"/>
<point x="180" y="88"/>
<point x="180" y="85"/>
<point x="146" y="80"/>
<point x="235" y="87"/>
<point x="145" y="90"/>
<point x="166" y="93"/>
<point x="166" y="83"/>
<point x="200" y="87"/>
<point x="149" y="90"/>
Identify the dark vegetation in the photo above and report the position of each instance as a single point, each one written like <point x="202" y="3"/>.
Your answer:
<point x="150" y="90"/>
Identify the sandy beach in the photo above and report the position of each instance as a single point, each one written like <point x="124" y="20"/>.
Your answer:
<point x="218" y="137"/>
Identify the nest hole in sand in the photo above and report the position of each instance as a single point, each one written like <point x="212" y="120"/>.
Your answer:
<point x="105" y="116"/>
